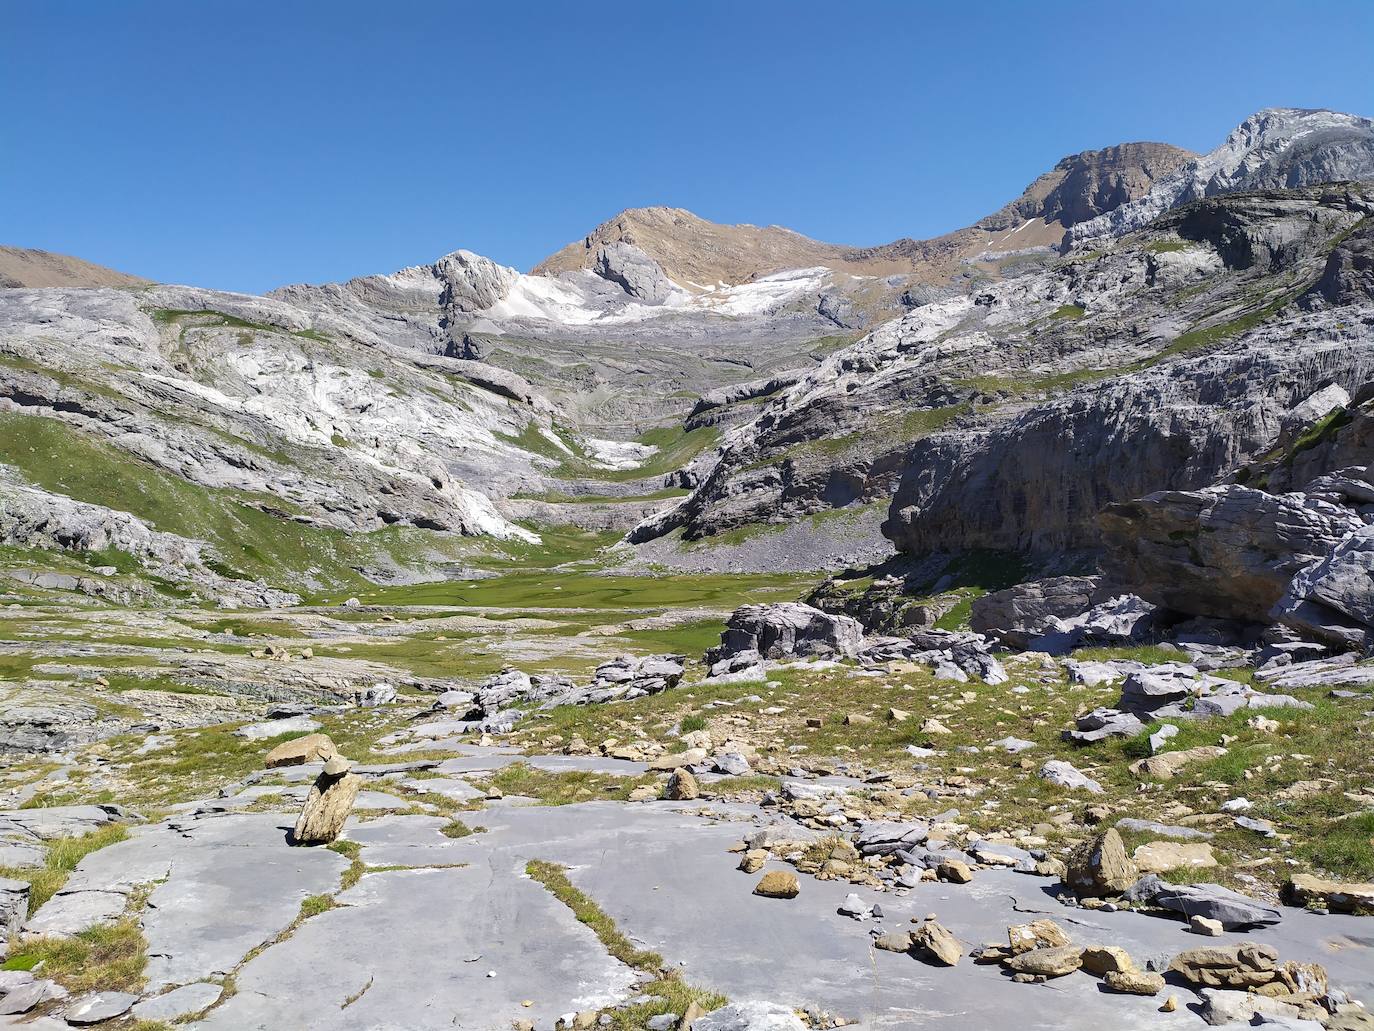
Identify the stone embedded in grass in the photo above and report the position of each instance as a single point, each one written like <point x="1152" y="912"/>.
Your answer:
<point x="275" y="728"/>
<point x="1163" y="856"/>
<point x="1306" y="890"/>
<point x="778" y="884"/>
<point x="682" y="786"/>
<point x="299" y="751"/>
<point x="98" y="1007"/>
<point x="1169" y="764"/>
<point x="1066" y="775"/>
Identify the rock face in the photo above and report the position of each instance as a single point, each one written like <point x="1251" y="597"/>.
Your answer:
<point x="1018" y="614"/>
<point x="1170" y="369"/>
<point x="641" y="276"/>
<point x="1224" y="551"/>
<point x="786" y="630"/>
<point x="326" y="808"/>
<point x="1274" y="149"/>
<point x="14" y="909"/>
<point x="1084" y="186"/>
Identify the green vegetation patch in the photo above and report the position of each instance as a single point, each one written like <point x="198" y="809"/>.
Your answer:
<point x="106" y="957"/>
<point x="62" y="858"/>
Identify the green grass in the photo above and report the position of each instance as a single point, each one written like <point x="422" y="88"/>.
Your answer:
<point x="456" y="828"/>
<point x="252" y="544"/>
<point x="670" y="993"/>
<point x="1343" y="847"/>
<point x="588" y="590"/>
<point x="563" y="788"/>
<point x="62" y="858"/>
<point x="693" y="723"/>
<point x="314" y="905"/>
<point x="107" y="957"/>
<point x="1068" y="311"/>
<point x="1166" y="246"/>
<point x="555" y="879"/>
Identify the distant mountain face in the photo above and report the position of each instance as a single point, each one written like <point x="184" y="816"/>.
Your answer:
<point x="23" y="266"/>
<point x="773" y="376"/>
<point x="1274" y="149"/>
<point x="697" y="254"/>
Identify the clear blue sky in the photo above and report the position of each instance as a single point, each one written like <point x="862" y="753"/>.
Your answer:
<point x="249" y="144"/>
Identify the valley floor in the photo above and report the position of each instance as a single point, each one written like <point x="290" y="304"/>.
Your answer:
<point x="487" y="880"/>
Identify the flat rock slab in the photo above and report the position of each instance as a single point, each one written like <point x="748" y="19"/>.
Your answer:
<point x="64" y="915"/>
<point x="231" y="884"/>
<point x="532" y="943"/>
<point x="276" y="728"/>
<point x="586" y="764"/>
<point x="191" y="998"/>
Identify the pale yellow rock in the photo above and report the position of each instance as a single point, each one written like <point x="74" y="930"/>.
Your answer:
<point x="1163" y="856"/>
<point x="937" y="942"/>
<point x="1038" y="934"/>
<point x="682" y="786"/>
<point x="326" y="809"/>
<point x="1168" y="765"/>
<point x="1108" y="959"/>
<point x="753" y="860"/>
<point x="778" y="884"/>
<point x="299" y="751"/>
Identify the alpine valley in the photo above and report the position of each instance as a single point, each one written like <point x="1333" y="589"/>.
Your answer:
<point x="710" y="628"/>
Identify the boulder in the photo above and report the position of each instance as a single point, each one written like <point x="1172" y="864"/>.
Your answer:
<point x="326" y="808"/>
<point x="1018" y="614"/>
<point x="1038" y="934"/>
<point x="1333" y="599"/>
<point x="1066" y="775"/>
<point x="1048" y="962"/>
<point x="1107" y="959"/>
<point x="682" y="786"/>
<point x="786" y="630"/>
<point x="1212" y="901"/>
<point x="1227" y="551"/>
<point x="299" y="751"/>
<point x="1100" y="867"/>
<point x="778" y="884"/>
<point x="1307" y="890"/>
<point x="937" y="943"/>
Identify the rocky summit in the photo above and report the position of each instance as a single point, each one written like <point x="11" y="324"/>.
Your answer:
<point x="711" y="628"/>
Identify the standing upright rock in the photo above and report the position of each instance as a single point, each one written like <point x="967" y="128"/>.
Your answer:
<point x="328" y="804"/>
<point x="1101" y="867"/>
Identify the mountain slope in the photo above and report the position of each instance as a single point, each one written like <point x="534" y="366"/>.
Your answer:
<point x="955" y="407"/>
<point x="701" y="254"/>
<point x="24" y="266"/>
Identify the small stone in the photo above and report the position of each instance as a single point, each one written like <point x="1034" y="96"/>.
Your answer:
<point x="934" y="726"/>
<point x="855" y="719"/>
<point x="778" y="884"/>
<point x="1135" y="982"/>
<point x="893" y="941"/>
<point x="753" y="860"/>
<point x="1107" y="959"/>
<point x="682" y="786"/>
<point x="299" y="751"/>
<point x="1035" y="935"/>
<point x="1054" y="962"/>
<point x="336" y="766"/>
<point x="1170" y="1004"/>
<point x="954" y="870"/>
<point x="1205" y="926"/>
<point x="898" y="715"/>
<point x="935" y="941"/>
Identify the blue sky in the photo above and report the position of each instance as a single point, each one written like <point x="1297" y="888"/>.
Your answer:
<point x="249" y="144"/>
